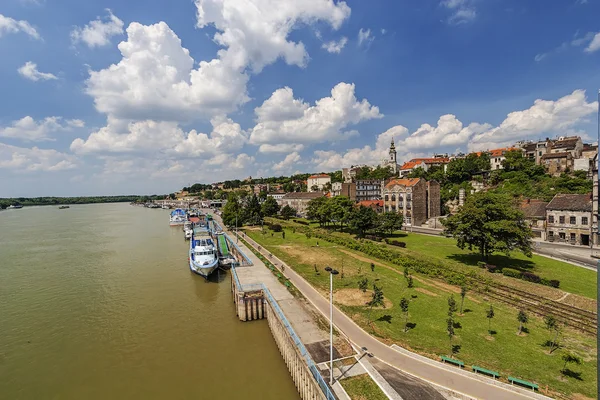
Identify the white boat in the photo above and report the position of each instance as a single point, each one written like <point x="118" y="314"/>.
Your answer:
<point x="188" y="234"/>
<point x="178" y="217"/>
<point x="14" y="206"/>
<point x="203" y="253"/>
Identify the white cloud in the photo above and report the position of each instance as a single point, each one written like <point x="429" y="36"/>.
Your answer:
<point x="544" y="116"/>
<point x="23" y="159"/>
<point x="30" y="71"/>
<point x="10" y="25"/>
<point x="255" y="32"/>
<point x="283" y="119"/>
<point x="28" y="129"/>
<point x="280" y="148"/>
<point x="288" y="163"/>
<point x="98" y="32"/>
<point x="594" y="44"/>
<point x="463" y="11"/>
<point x="365" y="37"/>
<point x="335" y="47"/>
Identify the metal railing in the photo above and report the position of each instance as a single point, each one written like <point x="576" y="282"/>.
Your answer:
<point x="305" y="354"/>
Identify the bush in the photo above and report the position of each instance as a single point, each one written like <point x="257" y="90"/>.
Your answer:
<point x="554" y="283"/>
<point x="298" y="221"/>
<point x="481" y="264"/>
<point x="276" y="228"/>
<point x="531" y="277"/>
<point x="396" y="243"/>
<point x="492" y="268"/>
<point x="373" y="237"/>
<point x="512" y="273"/>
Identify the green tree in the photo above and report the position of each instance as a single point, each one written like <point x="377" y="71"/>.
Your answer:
<point x="390" y="221"/>
<point x="377" y="300"/>
<point x="515" y="161"/>
<point x="450" y="331"/>
<point x="363" y="284"/>
<point x="570" y="358"/>
<point x="232" y="212"/>
<point x="269" y="207"/>
<point x="341" y="209"/>
<point x="552" y="325"/>
<point x="489" y="222"/>
<point x="404" y="307"/>
<point x="362" y="219"/>
<point x="451" y="305"/>
<point x="253" y="211"/>
<point x="409" y="282"/>
<point x="287" y="212"/>
<point x="314" y="210"/>
<point x="463" y="293"/>
<point x="522" y="318"/>
<point x="489" y="315"/>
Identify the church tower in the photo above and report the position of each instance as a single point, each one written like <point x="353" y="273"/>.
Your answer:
<point x="392" y="159"/>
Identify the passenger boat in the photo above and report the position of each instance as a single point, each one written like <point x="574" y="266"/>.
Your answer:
<point x="15" y="206"/>
<point x="178" y="217"/>
<point x="203" y="253"/>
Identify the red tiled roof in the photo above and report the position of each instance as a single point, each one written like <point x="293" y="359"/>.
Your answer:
<point x="408" y="165"/>
<point x="370" y="203"/>
<point x="403" y="182"/>
<point x="318" y="176"/>
<point x="439" y="160"/>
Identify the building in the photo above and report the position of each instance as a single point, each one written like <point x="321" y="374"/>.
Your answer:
<point x="571" y="144"/>
<point x="368" y="189"/>
<point x="535" y="214"/>
<point x="319" y="181"/>
<point x="535" y="150"/>
<point x="336" y="189"/>
<point x="349" y="174"/>
<point x="299" y="200"/>
<point x="424" y="163"/>
<point x="595" y="227"/>
<point x="586" y="161"/>
<point x="569" y="219"/>
<point x="497" y="156"/>
<point x="417" y="199"/>
<point x="376" y="205"/>
<point x="276" y="195"/>
<point x="557" y="163"/>
<point x="391" y="161"/>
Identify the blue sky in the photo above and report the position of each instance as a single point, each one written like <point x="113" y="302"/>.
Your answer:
<point x="100" y="97"/>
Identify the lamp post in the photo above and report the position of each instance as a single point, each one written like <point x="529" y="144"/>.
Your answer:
<point x="332" y="272"/>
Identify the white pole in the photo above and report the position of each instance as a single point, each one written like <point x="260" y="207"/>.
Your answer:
<point x="331" y="327"/>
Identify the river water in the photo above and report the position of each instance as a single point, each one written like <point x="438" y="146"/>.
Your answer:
<point x="97" y="302"/>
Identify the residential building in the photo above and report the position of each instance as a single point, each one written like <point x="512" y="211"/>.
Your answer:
<point x="368" y="189"/>
<point x="557" y="163"/>
<point x="349" y="174"/>
<point x="571" y="144"/>
<point x="595" y="227"/>
<point x="319" y="181"/>
<point x="535" y="214"/>
<point x="410" y="166"/>
<point x="497" y="157"/>
<point x="376" y="205"/>
<point x="299" y="200"/>
<point x="417" y="199"/>
<point x="586" y="161"/>
<point x="424" y="163"/>
<point x="276" y="195"/>
<point x="535" y="150"/>
<point x="569" y="219"/>
<point x="336" y="189"/>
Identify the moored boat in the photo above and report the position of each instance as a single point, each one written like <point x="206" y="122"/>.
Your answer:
<point x="63" y="207"/>
<point x="203" y="253"/>
<point x="178" y="217"/>
<point x="15" y="206"/>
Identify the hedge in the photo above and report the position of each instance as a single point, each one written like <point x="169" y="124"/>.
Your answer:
<point x="531" y="277"/>
<point x="395" y="243"/>
<point x="512" y="273"/>
<point x="276" y="228"/>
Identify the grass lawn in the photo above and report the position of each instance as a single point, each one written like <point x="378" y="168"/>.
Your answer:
<point x="503" y="351"/>
<point x="362" y="387"/>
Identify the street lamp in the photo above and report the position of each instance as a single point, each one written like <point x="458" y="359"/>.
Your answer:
<point x="332" y="272"/>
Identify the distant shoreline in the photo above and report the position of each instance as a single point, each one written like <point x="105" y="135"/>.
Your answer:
<point x="57" y="201"/>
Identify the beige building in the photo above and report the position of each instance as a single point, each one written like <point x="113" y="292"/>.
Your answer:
<point x="569" y="219"/>
<point x="535" y="214"/>
<point x="299" y="200"/>
<point x="417" y="199"/>
<point x="571" y="144"/>
<point x="557" y="163"/>
<point x="319" y="181"/>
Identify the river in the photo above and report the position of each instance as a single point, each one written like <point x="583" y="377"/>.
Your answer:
<point x="97" y="302"/>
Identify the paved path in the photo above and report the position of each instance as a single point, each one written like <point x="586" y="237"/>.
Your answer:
<point x="430" y="371"/>
<point x="577" y="255"/>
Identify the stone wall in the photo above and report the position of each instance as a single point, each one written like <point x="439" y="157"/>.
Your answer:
<point x="419" y="203"/>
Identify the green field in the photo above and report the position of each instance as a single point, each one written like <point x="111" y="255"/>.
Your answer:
<point x="503" y="351"/>
<point x="362" y="387"/>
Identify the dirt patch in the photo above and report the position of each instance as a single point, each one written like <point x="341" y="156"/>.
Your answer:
<point x="579" y="396"/>
<point x="356" y="297"/>
<point x="444" y="287"/>
<point x="365" y="259"/>
<point x="309" y="256"/>
<point x="425" y="291"/>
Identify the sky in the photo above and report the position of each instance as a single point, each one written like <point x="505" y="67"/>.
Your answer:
<point x="114" y="97"/>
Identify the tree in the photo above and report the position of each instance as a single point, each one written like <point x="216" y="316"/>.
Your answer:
<point x="363" y="284"/>
<point x="409" y="282"/>
<point x="287" y="212"/>
<point x="490" y="314"/>
<point x="362" y="219"/>
<point x="341" y="209"/>
<point x="372" y="267"/>
<point x="390" y="221"/>
<point x="314" y="210"/>
<point x="232" y="212"/>
<point x="451" y="305"/>
<point x="570" y="358"/>
<point x="377" y="300"/>
<point x="489" y="222"/>
<point x="450" y="331"/>
<point x="515" y="161"/>
<point x="552" y="325"/>
<point x="463" y="293"/>
<point x="404" y="307"/>
<point x="253" y="211"/>
<point x="270" y="207"/>
<point x="522" y="318"/>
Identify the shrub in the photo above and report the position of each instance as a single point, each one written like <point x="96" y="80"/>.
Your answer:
<point x="492" y="268"/>
<point x="373" y="237"/>
<point x="531" y="277"/>
<point x="396" y="243"/>
<point x="276" y="228"/>
<point x="512" y="272"/>
<point x="554" y="283"/>
<point x="298" y="221"/>
<point x="481" y="264"/>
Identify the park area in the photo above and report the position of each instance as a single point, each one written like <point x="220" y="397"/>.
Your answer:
<point x="492" y="343"/>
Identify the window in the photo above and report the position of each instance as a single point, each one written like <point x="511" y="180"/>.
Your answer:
<point x="551" y="219"/>
<point x="584" y="220"/>
<point x="561" y="219"/>
<point x="386" y="197"/>
<point x="551" y="234"/>
<point x="561" y="235"/>
<point x="572" y="237"/>
<point x="393" y="197"/>
<point x="572" y="220"/>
